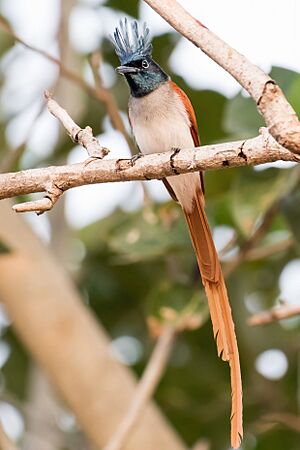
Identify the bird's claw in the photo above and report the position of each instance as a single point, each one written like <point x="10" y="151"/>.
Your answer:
<point x="136" y="157"/>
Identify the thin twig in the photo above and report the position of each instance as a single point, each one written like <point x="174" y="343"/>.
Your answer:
<point x="99" y="92"/>
<point x="106" y="97"/>
<point x="273" y="315"/>
<point x="255" y="254"/>
<point x="112" y="110"/>
<point x="82" y="136"/>
<point x="78" y="135"/>
<point x="279" y="115"/>
<point x="145" y="389"/>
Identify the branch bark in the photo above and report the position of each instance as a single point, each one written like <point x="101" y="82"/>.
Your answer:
<point x="5" y="442"/>
<point x="145" y="389"/>
<point x="55" y="180"/>
<point x="274" y="315"/>
<point x="279" y="115"/>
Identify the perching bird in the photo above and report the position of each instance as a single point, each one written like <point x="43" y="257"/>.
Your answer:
<point x="162" y="119"/>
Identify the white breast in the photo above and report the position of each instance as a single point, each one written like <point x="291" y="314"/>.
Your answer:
<point x="159" y="123"/>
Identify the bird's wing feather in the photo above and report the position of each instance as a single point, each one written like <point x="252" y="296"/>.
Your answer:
<point x="215" y="288"/>
<point x="193" y="121"/>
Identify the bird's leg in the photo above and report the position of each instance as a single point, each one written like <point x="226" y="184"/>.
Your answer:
<point x="134" y="158"/>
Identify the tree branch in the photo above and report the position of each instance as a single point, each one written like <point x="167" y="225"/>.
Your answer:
<point x="55" y="180"/>
<point x="145" y="388"/>
<point x="5" y="442"/>
<point x="279" y="116"/>
<point x="52" y="312"/>
<point x="282" y="312"/>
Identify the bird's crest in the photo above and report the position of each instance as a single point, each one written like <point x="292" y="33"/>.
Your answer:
<point x="131" y="44"/>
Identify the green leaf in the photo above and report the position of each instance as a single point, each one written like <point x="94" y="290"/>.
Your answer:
<point x="174" y="300"/>
<point x="209" y="108"/>
<point x="283" y="77"/>
<point x="241" y="116"/>
<point x="293" y="94"/>
<point x="6" y="39"/>
<point x="149" y="235"/>
<point x="290" y="207"/>
<point x="241" y="119"/>
<point x="4" y="248"/>
<point x="253" y="193"/>
<point x="130" y="7"/>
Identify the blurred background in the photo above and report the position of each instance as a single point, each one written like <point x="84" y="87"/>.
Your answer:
<point x="126" y="245"/>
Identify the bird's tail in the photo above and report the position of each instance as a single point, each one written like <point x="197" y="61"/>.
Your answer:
<point x="220" y="311"/>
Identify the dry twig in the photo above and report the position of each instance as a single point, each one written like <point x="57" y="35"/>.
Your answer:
<point x="279" y="115"/>
<point x="81" y="136"/>
<point x="108" y="99"/>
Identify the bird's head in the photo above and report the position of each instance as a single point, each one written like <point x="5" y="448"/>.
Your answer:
<point x="134" y="50"/>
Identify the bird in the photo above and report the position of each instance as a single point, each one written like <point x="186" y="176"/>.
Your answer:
<point x="162" y="119"/>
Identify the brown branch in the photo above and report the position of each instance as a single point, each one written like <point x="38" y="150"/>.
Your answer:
<point x="81" y="136"/>
<point x="55" y="180"/>
<point x="5" y="441"/>
<point x="145" y="389"/>
<point x="273" y="315"/>
<point x="78" y="135"/>
<point x="279" y="116"/>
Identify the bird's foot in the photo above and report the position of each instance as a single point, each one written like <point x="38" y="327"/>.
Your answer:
<point x="134" y="158"/>
<point x="175" y="151"/>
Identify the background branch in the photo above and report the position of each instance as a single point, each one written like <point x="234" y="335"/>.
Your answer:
<point x="145" y="389"/>
<point x="99" y="92"/>
<point x="5" y="442"/>
<point x="96" y="387"/>
<point x="279" y="313"/>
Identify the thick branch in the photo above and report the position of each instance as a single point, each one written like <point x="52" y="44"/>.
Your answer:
<point x="272" y="104"/>
<point x="259" y="150"/>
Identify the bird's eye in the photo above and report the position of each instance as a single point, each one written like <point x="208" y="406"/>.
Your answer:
<point x="145" y="64"/>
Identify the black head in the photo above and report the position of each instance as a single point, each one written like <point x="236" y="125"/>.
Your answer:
<point x="134" y="49"/>
<point x="143" y="76"/>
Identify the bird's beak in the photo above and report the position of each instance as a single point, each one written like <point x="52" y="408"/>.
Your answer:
<point x="126" y="69"/>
